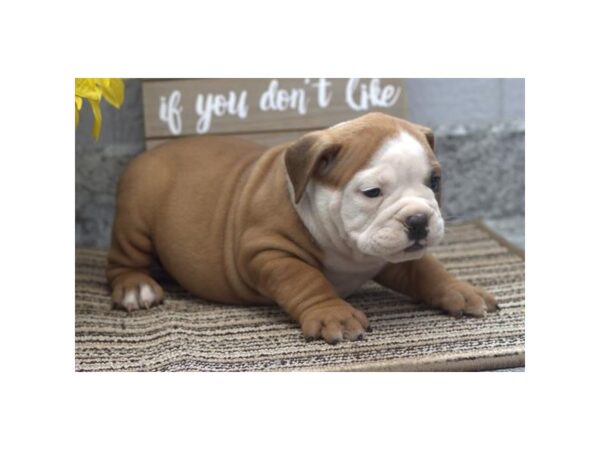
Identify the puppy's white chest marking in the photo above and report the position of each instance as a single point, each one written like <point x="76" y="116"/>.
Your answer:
<point x="347" y="275"/>
<point x="346" y="283"/>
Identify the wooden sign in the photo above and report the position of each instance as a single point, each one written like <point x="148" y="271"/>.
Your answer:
<point x="268" y="111"/>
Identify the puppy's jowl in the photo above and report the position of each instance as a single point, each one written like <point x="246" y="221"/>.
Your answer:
<point x="302" y="224"/>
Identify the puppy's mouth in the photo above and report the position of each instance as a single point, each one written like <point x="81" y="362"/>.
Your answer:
<point x="415" y="246"/>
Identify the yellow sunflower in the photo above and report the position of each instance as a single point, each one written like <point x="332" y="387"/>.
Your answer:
<point x="93" y="90"/>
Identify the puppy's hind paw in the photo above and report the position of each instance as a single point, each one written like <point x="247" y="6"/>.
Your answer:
<point x="134" y="293"/>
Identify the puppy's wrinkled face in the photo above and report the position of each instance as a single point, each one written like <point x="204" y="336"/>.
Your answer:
<point x="389" y="208"/>
<point x="375" y="191"/>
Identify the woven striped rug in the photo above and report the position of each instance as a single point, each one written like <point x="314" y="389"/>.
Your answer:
<point x="189" y="334"/>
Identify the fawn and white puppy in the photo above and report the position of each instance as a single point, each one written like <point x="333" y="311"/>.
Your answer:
<point x="301" y="224"/>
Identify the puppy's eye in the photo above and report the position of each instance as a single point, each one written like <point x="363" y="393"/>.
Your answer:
<point x="372" y="193"/>
<point x="434" y="182"/>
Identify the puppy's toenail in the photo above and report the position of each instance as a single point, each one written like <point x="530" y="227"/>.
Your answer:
<point x="309" y="338"/>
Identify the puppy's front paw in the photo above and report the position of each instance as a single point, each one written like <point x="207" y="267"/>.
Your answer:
<point x="334" y="323"/>
<point x="459" y="297"/>
<point x="136" y="290"/>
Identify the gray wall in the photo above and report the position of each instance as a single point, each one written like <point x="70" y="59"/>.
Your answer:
<point x="479" y="126"/>
<point x="474" y="101"/>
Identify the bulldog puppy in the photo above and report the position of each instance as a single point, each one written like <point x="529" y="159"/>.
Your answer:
<point x="302" y="224"/>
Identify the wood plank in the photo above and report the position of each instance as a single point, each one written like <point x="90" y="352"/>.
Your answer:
<point x="206" y="106"/>
<point x="269" y="139"/>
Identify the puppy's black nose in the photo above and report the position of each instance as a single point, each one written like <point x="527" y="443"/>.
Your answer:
<point x="417" y="226"/>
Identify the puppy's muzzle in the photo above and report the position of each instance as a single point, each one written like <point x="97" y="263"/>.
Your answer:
<point x="416" y="226"/>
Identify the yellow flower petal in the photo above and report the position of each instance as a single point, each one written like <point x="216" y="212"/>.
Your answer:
<point x="93" y="89"/>
<point x="97" y="118"/>
<point x="87" y="88"/>
<point x="113" y="90"/>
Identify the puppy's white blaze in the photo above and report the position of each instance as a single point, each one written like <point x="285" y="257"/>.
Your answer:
<point x="403" y="155"/>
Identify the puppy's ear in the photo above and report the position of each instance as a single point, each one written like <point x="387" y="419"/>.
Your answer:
<point x="431" y="141"/>
<point x="428" y="132"/>
<point x="311" y="155"/>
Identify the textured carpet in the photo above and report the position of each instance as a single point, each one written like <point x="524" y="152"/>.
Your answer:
<point x="188" y="334"/>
